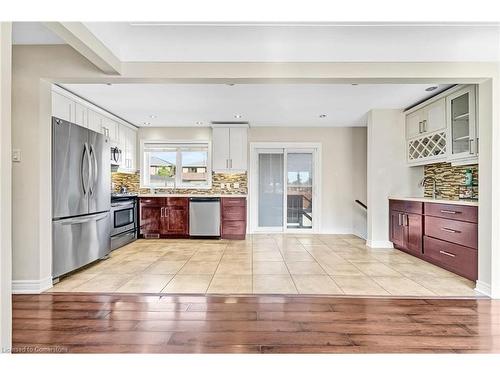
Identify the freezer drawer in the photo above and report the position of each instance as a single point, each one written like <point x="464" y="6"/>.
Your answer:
<point x="79" y="241"/>
<point x="204" y="217"/>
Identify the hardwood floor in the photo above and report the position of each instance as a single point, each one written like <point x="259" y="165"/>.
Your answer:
<point x="121" y="323"/>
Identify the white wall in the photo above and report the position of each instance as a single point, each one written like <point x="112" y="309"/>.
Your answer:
<point x="387" y="172"/>
<point x="343" y="160"/>
<point x="5" y="187"/>
<point x="32" y="66"/>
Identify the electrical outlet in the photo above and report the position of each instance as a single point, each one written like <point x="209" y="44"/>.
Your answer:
<point x="16" y="155"/>
<point x="236" y="185"/>
<point x="222" y="185"/>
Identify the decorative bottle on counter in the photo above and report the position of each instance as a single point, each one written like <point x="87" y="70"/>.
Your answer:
<point x="468" y="177"/>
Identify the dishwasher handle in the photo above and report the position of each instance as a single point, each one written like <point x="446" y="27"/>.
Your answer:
<point x="204" y="199"/>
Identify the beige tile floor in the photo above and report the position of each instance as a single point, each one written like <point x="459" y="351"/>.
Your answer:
<point x="275" y="264"/>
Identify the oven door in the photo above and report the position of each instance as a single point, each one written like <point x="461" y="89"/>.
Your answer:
<point x="122" y="218"/>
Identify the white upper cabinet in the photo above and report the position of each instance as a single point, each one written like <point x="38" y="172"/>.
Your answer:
<point x="435" y="116"/>
<point x="220" y="149"/>
<point x="414" y="124"/>
<point x="444" y="129"/>
<point x="428" y="119"/>
<point x="94" y="121"/>
<point x="128" y="142"/>
<point x="238" y="152"/>
<point x="81" y="115"/>
<point x="70" y="107"/>
<point x="63" y="107"/>
<point x="229" y="149"/>
<point x="462" y="131"/>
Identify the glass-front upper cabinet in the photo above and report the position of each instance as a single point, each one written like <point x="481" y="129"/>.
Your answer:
<point x="462" y="137"/>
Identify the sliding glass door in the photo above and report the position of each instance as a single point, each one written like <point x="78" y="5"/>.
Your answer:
<point x="270" y="166"/>
<point x="299" y="188"/>
<point x="285" y="181"/>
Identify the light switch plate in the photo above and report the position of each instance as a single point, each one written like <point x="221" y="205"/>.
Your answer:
<point x="16" y="155"/>
<point x="222" y="185"/>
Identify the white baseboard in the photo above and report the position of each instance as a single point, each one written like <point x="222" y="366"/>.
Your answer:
<point x="379" y="244"/>
<point x="483" y="288"/>
<point x="31" y="286"/>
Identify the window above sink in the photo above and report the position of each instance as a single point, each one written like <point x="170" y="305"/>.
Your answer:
<point x="171" y="165"/>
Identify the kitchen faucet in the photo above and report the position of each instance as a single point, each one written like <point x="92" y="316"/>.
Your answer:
<point x="435" y="191"/>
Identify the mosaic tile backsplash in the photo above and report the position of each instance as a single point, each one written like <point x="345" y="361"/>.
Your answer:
<point x="132" y="183"/>
<point x="450" y="180"/>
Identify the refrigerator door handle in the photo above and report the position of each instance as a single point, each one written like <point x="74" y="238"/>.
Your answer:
<point x="94" y="174"/>
<point x="84" y="219"/>
<point x="85" y="155"/>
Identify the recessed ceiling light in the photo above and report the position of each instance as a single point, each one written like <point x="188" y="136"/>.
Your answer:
<point x="199" y="122"/>
<point x="152" y="116"/>
<point x="431" y="88"/>
<point x="237" y="116"/>
<point x="146" y="123"/>
<point x="322" y="116"/>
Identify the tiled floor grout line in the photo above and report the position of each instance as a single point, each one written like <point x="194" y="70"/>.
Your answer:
<point x="326" y="273"/>
<point x="288" y="269"/>
<point x="216" y="268"/>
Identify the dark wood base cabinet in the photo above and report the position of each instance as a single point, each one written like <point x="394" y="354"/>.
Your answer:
<point x="164" y="217"/>
<point x="443" y="234"/>
<point x="234" y="218"/>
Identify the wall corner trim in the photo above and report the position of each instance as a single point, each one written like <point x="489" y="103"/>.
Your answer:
<point x="31" y="286"/>
<point x="379" y="244"/>
<point x="483" y="288"/>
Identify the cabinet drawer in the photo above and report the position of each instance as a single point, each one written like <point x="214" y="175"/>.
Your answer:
<point x="238" y="202"/>
<point x="233" y="229"/>
<point x="234" y="213"/>
<point x="406" y="206"/>
<point x="451" y="211"/>
<point x="455" y="258"/>
<point x="177" y="201"/>
<point x="152" y="201"/>
<point x="459" y="232"/>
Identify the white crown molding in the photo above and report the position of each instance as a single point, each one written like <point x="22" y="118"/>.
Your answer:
<point x="31" y="286"/>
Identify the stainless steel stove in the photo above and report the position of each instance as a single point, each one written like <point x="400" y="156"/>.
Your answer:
<point x="123" y="219"/>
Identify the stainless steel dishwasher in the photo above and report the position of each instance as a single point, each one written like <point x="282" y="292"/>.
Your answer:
<point x="204" y="217"/>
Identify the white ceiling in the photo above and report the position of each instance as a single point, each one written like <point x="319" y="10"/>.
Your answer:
<point x="259" y="104"/>
<point x="299" y="42"/>
<point x="33" y="33"/>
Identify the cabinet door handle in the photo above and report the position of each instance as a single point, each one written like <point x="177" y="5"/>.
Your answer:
<point x="406" y="220"/>
<point x="161" y="212"/>
<point x="450" y="230"/>
<point x="471" y="145"/>
<point x="399" y="220"/>
<point x="420" y="127"/>
<point x="231" y="163"/>
<point x="447" y="253"/>
<point x="424" y="125"/>
<point x="449" y="212"/>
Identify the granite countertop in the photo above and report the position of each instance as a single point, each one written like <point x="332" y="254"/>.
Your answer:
<point x="462" y="202"/>
<point x="163" y="195"/>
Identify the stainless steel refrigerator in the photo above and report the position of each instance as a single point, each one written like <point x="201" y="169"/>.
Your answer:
<point x="81" y="190"/>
